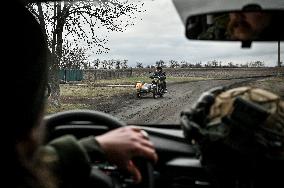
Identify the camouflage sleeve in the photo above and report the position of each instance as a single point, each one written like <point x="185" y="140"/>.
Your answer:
<point x="68" y="161"/>
<point x="93" y="149"/>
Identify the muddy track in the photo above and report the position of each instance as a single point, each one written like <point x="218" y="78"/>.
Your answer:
<point x="167" y="109"/>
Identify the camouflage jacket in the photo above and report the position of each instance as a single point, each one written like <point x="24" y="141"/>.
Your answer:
<point x="162" y="75"/>
<point x="70" y="160"/>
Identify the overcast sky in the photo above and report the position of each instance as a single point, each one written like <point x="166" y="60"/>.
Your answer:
<point x="160" y="36"/>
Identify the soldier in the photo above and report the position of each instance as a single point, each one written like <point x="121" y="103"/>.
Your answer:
<point x="66" y="161"/>
<point x="248" y="25"/>
<point x="162" y="76"/>
<point x="240" y="136"/>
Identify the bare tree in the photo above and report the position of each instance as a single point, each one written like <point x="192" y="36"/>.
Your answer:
<point x="160" y="63"/>
<point x="214" y="63"/>
<point x="184" y="64"/>
<point x="198" y="65"/>
<point x="124" y="64"/>
<point x="118" y="64"/>
<point x="232" y="65"/>
<point x="139" y="65"/>
<point x="104" y="64"/>
<point x="96" y="63"/>
<point x="73" y="57"/>
<point x="257" y="64"/>
<point x="208" y="64"/>
<point x="79" y="21"/>
<point x="173" y="64"/>
<point x="110" y="64"/>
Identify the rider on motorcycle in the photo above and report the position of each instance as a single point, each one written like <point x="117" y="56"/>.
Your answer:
<point x="162" y="77"/>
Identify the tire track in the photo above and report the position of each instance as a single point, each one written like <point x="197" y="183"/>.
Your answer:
<point x="166" y="110"/>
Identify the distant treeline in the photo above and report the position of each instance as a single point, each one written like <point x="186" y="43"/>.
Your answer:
<point x="209" y="64"/>
<point x="202" y="72"/>
<point x="123" y="64"/>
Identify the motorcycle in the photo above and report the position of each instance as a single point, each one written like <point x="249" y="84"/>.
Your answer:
<point x="156" y="87"/>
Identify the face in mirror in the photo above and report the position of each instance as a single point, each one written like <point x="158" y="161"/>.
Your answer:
<point x="237" y="26"/>
<point x="248" y="25"/>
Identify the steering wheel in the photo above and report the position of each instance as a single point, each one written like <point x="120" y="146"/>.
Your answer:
<point x="98" y="118"/>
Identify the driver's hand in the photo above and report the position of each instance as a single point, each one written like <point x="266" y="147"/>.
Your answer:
<point x="122" y="144"/>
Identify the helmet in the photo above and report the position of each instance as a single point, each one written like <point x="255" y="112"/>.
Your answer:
<point x="239" y="131"/>
<point x="256" y="114"/>
<point x="159" y="68"/>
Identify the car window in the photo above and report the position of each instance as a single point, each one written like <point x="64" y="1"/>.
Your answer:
<point x="104" y="53"/>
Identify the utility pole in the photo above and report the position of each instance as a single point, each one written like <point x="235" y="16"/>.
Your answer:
<point x="279" y="63"/>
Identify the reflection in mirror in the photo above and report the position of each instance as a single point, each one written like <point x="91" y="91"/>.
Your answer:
<point x="237" y="25"/>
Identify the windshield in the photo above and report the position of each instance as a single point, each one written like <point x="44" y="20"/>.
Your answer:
<point x="104" y="56"/>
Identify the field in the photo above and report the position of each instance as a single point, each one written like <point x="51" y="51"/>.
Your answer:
<point x="133" y="80"/>
<point x="96" y="94"/>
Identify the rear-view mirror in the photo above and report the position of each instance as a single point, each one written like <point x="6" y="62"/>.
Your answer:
<point x="243" y="26"/>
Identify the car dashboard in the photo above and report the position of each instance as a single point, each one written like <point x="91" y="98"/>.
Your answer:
<point x="178" y="165"/>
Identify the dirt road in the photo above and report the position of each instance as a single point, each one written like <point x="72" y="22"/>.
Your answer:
<point x="167" y="109"/>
